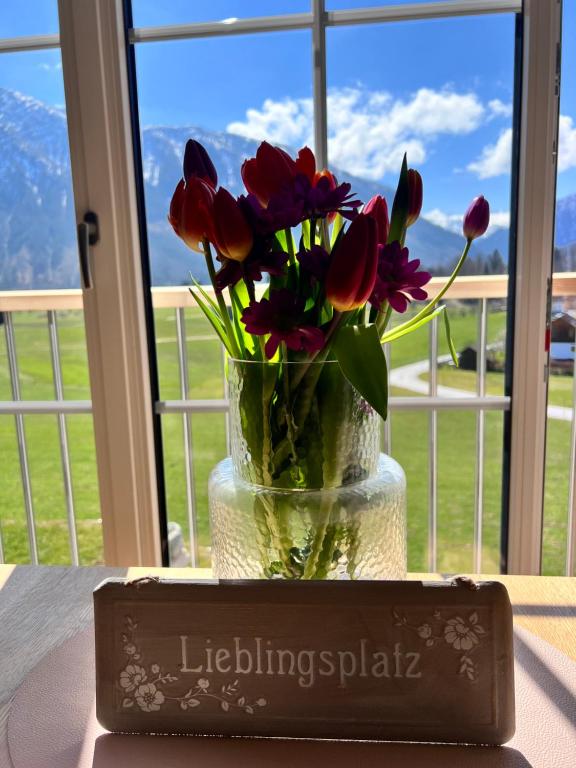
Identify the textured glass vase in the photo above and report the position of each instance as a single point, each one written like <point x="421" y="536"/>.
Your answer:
<point x="306" y="493"/>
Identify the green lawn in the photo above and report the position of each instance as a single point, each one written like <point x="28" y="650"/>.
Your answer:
<point x="559" y="391"/>
<point x="456" y="447"/>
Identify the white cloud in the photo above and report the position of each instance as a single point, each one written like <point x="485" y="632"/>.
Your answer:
<point x="453" y="221"/>
<point x="50" y="67"/>
<point x="499" y="220"/>
<point x="286" y="122"/>
<point x="368" y="130"/>
<point x="499" y="108"/>
<point x="566" y="143"/>
<point x="495" y="158"/>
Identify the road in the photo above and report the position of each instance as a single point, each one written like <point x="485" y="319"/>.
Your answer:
<point x="408" y="377"/>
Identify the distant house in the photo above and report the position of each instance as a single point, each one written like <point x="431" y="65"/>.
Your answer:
<point x="467" y="358"/>
<point x="562" y="342"/>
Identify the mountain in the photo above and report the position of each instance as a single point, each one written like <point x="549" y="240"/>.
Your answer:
<point x="162" y="152"/>
<point x="565" y="230"/>
<point x="37" y="228"/>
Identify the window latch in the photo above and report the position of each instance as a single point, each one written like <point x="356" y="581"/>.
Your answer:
<point x="88" y="234"/>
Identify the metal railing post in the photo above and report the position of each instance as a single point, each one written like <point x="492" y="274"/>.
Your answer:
<point x="433" y="452"/>
<point x="388" y="422"/>
<point x="21" y="438"/>
<point x="63" y="436"/>
<point x="480" y="423"/>
<point x="188" y="447"/>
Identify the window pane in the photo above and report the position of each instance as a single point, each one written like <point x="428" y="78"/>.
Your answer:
<point x="560" y="433"/>
<point x="455" y="123"/>
<point x="152" y="13"/>
<point x="38" y="251"/>
<point x="230" y="110"/>
<point x="38" y="233"/>
<point x="30" y="17"/>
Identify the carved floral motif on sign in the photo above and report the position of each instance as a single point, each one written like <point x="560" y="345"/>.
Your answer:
<point x="148" y="688"/>
<point x="460" y="634"/>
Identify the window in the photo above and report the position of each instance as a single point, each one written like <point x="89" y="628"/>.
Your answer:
<point x="359" y="80"/>
<point x="365" y="148"/>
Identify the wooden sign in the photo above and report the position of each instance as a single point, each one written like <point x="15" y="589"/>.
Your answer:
<point x="353" y="660"/>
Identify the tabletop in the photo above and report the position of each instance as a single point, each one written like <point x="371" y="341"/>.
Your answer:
<point x="41" y="606"/>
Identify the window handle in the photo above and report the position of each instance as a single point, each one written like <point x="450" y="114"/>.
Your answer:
<point x="88" y="234"/>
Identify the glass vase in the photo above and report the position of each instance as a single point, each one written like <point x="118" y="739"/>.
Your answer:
<point x="306" y="493"/>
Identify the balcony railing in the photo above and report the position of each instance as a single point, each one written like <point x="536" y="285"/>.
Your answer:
<point x="427" y="394"/>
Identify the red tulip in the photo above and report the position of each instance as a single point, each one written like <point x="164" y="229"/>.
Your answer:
<point x="306" y="163"/>
<point x="176" y="206"/>
<point x="352" y="271"/>
<point x="476" y="218"/>
<point x="377" y="209"/>
<point x="268" y="172"/>
<point x="191" y="212"/>
<point x="414" y="196"/>
<point x="232" y="234"/>
<point x="197" y="163"/>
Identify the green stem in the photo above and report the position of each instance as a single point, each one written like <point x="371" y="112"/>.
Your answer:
<point x="383" y="318"/>
<point x="290" y="433"/>
<point x="312" y="232"/>
<point x="220" y="299"/>
<point x="337" y="319"/>
<point x="324" y="236"/>
<point x="430" y="306"/>
<point x="266" y="441"/>
<point x="290" y="246"/>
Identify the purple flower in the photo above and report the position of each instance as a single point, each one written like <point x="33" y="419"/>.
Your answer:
<point x="314" y="261"/>
<point x="283" y="211"/>
<point x="398" y="280"/>
<point x="325" y="196"/>
<point x="261" y="259"/>
<point x="476" y="218"/>
<point x="281" y="316"/>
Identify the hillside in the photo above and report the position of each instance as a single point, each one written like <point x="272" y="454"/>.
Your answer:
<point x="37" y="232"/>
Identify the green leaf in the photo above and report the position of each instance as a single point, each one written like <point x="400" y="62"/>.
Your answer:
<point x="206" y="296"/>
<point x="337" y="228"/>
<point x="240" y="300"/>
<point x="449" y="340"/>
<point x="279" y="242"/>
<point x="215" y="321"/>
<point x="361" y="358"/>
<point x="306" y="233"/>
<point x="400" y="206"/>
<point x="411" y="325"/>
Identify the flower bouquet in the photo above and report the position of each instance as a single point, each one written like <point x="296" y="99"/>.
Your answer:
<point x="313" y="278"/>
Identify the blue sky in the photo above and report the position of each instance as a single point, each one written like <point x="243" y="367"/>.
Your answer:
<point x="441" y="89"/>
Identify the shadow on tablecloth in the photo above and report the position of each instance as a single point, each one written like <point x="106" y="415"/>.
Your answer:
<point x="113" y="750"/>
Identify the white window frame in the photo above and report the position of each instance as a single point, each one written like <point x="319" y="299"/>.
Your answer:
<point x="540" y="98"/>
<point x="97" y="105"/>
<point x="96" y="83"/>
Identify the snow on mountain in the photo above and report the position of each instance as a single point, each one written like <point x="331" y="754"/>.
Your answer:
<point x="37" y="228"/>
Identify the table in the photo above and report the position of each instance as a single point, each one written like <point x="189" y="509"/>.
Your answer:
<point x="41" y="606"/>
